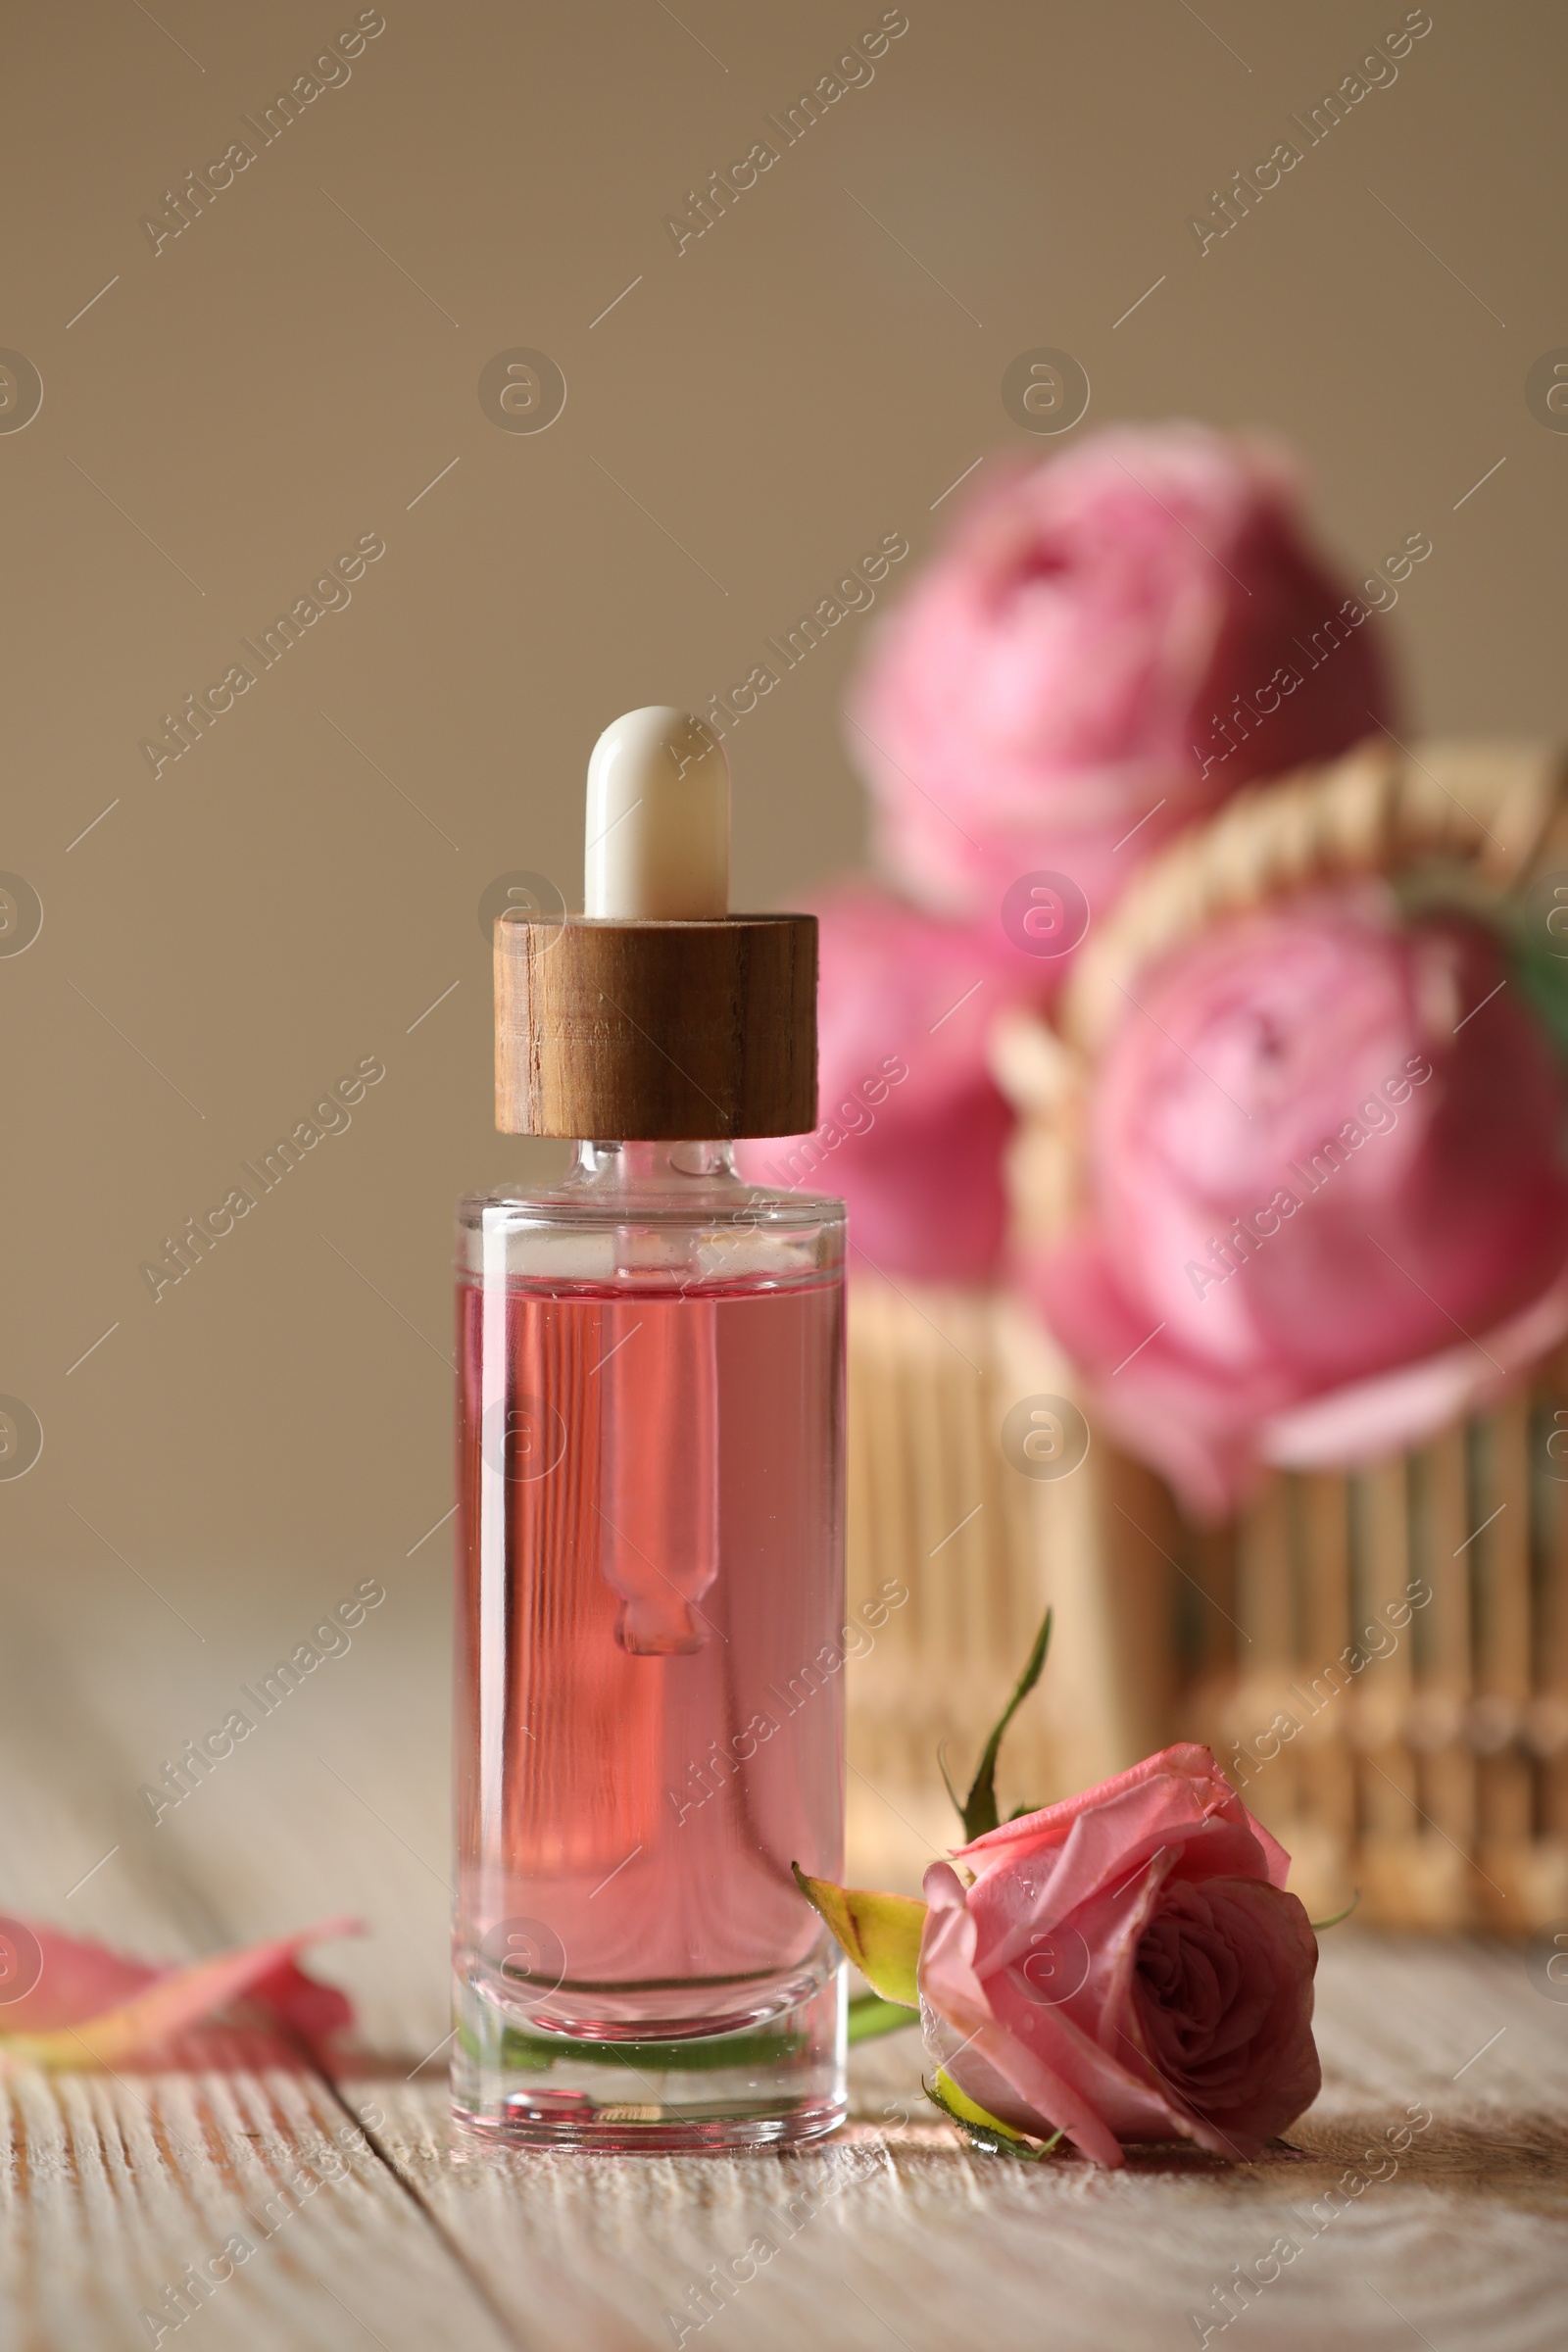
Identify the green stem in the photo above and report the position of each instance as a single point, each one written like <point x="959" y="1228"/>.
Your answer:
<point x="870" y="2016"/>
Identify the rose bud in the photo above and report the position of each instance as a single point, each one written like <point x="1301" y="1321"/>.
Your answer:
<point x="1126" y="1966"/>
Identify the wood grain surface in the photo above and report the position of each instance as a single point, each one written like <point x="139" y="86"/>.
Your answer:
<point x="354" y="2215"/>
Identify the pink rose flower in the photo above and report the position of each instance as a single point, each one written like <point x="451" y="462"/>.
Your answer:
<point x="1327" y="1200"/>
<point x="1127" y="1966"/>
<point x="912" y="1125"/>
<point x="1115" y="639"/>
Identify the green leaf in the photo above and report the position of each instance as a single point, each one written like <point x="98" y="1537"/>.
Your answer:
<point x="870" y="2016"/>
<point x="983" y="2130"/>
<point x="1317" y="1926"/>
<point x="978" y="1812"/>
<point x="1541" y="972"/>
<point x="537" y="2053"/>
<point x="1543" y="978"/>
<point x="881" y="1933"/>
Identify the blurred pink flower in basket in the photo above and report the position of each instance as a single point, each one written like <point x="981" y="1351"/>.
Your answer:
<point x="1328" y="1207"/>
<point x="911" y="1124"/>
<point x="1126" y="1966"/>
<point x="1117" y="638"/>
<point x="1056" y="695"/>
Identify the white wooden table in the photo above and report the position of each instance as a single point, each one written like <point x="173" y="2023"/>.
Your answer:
<point x="367" y="2220"/>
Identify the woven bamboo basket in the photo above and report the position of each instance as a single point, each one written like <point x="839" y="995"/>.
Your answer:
<point x="1434" y="1780"/>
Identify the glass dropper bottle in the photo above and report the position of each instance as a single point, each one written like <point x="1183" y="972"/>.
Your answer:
<point x="650" y="1512"/>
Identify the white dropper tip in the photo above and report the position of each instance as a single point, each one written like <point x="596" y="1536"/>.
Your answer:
<point x="657" y="823"/>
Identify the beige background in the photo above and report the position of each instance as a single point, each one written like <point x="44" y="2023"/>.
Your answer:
<point x="233" y="411"/>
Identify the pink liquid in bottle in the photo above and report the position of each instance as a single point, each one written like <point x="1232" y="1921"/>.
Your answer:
<point x="650" y="1670"/>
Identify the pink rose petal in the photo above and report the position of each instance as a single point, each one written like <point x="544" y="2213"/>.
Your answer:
<point x="90" y="2006"/>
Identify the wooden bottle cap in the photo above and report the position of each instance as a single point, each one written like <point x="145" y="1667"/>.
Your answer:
<point x="654" y="1032"/>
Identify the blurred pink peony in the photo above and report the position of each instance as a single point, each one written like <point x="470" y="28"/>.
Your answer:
<point x="1126" y="1966"/>
<point x="1115" y="639"/>
<point x="912" y="1125"/>
<point x="1328" y="1206"/>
